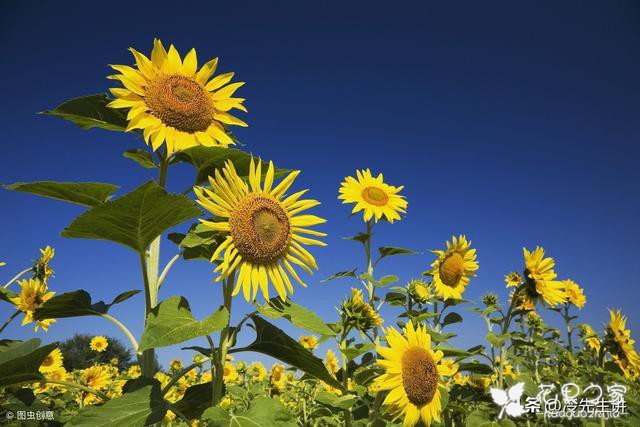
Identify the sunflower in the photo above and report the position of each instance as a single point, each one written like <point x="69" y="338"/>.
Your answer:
<point x="513" y="279"/>
<point x="575" y="294"/>
<point x="176" y="364"/>
<point x="278" y="376"/>
<point x="541" y="278"/>
<point x="99" y="344"/>
<point x="52" y="362"/>
<point x="257" y="371"/>
<point x="173" y="102"/>
<point x="331" y="362"/>
<point x="41" y="269"/>
<point x="359" y="314"/>
<point x="229" y="374"/>
<point x="308" y="341"/>
<point x="413" y="375"/>
<point x="420" y="291"/>
<point x="590" y="338"/>
<point x="33" y="293"/>
<point x="95" y="377"/>
<point x="621" y="346"/>
<point x="134" y="371"/>
<point x="454" y="267"/>
<point x="373" y="196"/>
<point x="264" y="233"/>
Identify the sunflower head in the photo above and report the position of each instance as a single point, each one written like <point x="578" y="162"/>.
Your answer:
<point x="513" y="279"/>
<point x="176" y="364"/>
<point x="589" y="337"/>
<point x="373" y="196"/>
<point x="278" y="376"/>
<point x="619" y="343"/>
<point x="540" y="278"/>
<point x="52" y="362"/>
<point x="99" y="344"/>
<point x="257" y="371"/>
<point x="309" y="342"/>
<point x="263" y="231"/>
<point x="359" y="314"/>
<point x="454" y="267"/>
<point x="331" y="362"/>
<point x="95" y="377"/>
<point x="175" y="103"/>
<point x="41" y="269"/>
<point x="490" y="299"/>
<point x="230" y="374"/>
<point x="575" y="294"/>
<point x="413" y="375"/>
<point x="33" y="294"/>
<point x="420" y="291"/>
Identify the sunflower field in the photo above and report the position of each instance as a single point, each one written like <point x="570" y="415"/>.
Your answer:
<point x="254" y="223"/>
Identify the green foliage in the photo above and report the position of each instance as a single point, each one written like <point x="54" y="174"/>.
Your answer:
<point x="273" y="342"/>
<point x="199" y="243"/>
<point x="91" y="111"/>
<point x="135" y="219"/>
<point x="141" y="157"/>
<point x="80" y="193"/>
<point x="171" y="322"/>
<point x="300" y="316"/>
<point x="77" y="303"/>
<point x="77" y="354"/>
<point x="142" y="407"/>
<point x="19" y="361"/>
<point x="339" y="275"/>
<point x="207" y="159"/>
<point x="263" y="412"/>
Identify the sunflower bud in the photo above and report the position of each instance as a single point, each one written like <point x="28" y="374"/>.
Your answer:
<point x="420" y="291"/>
<point x="358" y="313"/>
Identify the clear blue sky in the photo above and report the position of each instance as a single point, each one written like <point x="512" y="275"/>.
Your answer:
<point x="515" y="123"/>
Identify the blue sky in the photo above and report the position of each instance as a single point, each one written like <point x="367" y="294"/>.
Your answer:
<point x="515" y="124"/>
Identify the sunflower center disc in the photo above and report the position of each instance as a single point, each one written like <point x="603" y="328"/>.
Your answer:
<point x="419" y="376"/>
<point x="260" y="229"/>
<point x="375" y="196"/>
<point x="452" y="269"/>
<point x="181" y="103"/>
<point x="48" y="361"/>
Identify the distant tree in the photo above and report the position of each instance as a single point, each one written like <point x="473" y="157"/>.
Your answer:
<point x="78" y="354"/>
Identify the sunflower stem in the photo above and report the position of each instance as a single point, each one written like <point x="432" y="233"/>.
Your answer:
<point x="9" y="320"/>
<point x="225" y="341"/>
<point x="345" y="375"/>
<point x="567" y="321"/>
<point x="124" y="329"/>
<point x="17" y="276"/>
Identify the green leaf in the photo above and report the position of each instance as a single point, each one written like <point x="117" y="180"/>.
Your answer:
<point x="298" y="315"/>
<point x="339" y="275"/>
<point x="357" y="350"/>
<point x="79" y="193"/>
<point x="492" y="339"/>
<point x="142" y="407"/>
<point x="386" y="281"/>
<point x="135" y="219"/>
<point x="7" y="294"/>
<point x="386" y="251"/>
<point x="360" y="237"/>
<point x="199" y="243"/>
<point x="76" y="304"/>
<point x="395" y="299"/>
<point x="91" y="111"/>
<point x="450" y="318"/>
<point x="262" y="412"/>
<point x="476" y="418"/>
<point x="478" y="368"/>
<point x="171" y="322"/>
<point x="196" y="399"/>
<point x="207" y="159"/>
<point x="340" y="402"/>
<point x="216" y="417"/>
<point x="19" y="361"/>
<point x="141" y="157"/>
<point x="273" y="342"/>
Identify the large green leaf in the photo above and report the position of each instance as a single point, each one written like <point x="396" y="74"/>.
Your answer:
<point x="262" y="412"/>
<point x="339" y="275"/>
<point x="298" y="315"/>
<point x="135" y="219"/>
<point x="273" y="342"/>
<point x="341" y="402"/>
<point x="200" y="242"/>
<point x="386" y="251"/>
<point x="171" y="322"/>
<point x="142" y="407"/>
<point x="77" y="303"/>
<point x="196" y="399"/>
<point x="207" y="159"/>
<point x="19" y="361"/>
<point x="91" y="111"/>
<point x="80" y="193"/>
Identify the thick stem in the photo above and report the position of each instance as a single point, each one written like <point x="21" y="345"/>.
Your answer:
<point x="367" y="249"/>
<point x="225" y="341"/>
<point x="345" y="376"/>
<point x="506" y="322"/>
<point x="148" y="356"/>
<point x="567" y="321"/>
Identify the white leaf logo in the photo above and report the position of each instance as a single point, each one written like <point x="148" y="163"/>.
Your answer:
<point x="509" y="400"/>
